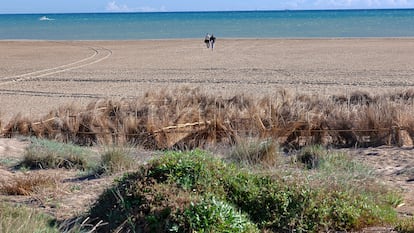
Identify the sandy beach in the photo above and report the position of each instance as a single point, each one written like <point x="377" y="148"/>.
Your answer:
<point x="36" y="76"/>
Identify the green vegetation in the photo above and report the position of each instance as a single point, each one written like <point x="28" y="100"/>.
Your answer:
<point x="116" y="158"/>
<point x="312" y="156"/>
<point x="192" y="191"/>
<point x="264" y="191"/>
<point x="255" y="152"/>
<point x="47" y="154"/>
<point x="43" y="154"/>
<point x="18" y="219"/>
<point x="211" y="215"/>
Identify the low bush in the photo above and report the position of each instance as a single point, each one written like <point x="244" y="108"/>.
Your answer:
<point x="186" y="192"/>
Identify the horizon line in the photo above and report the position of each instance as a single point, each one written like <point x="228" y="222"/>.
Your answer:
<point x="201" y="11"/>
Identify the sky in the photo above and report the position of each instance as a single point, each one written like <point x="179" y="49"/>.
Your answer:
<point x="75" y="6"/>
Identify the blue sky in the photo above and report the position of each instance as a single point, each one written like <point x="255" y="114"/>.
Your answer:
<point x="65" y="6"/>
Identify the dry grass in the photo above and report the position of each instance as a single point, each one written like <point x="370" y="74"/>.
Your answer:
<point x="26" y="185"/>
<point x="406" y="225"/>
<point x="188" y="118"/>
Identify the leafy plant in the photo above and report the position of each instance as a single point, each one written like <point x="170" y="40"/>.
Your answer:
<point x="212" y="215"/>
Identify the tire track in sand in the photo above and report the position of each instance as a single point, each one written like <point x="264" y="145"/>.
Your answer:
<point x="99" y="54"/>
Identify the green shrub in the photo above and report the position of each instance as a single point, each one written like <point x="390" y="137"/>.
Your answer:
<point x="283" y="207"/>
<point x="273" y="204"/>
<point x="43" y="154"/>
<point x="212" y="215"/>
<point x="191" y="171"/>
<point x="155" y="197"/>
<point x="187" y="192"/>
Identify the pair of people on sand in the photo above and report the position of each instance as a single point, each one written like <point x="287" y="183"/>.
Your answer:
<point x="209" y="40"/>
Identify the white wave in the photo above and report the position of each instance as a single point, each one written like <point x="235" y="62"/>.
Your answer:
<point x="44" y="18"/>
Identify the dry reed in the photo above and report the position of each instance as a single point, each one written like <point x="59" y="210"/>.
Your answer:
<point x="188" y="118"/>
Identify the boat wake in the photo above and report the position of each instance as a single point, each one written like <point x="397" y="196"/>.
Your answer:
<point x="44" y="18"/>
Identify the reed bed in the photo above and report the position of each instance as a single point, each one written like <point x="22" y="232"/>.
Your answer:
<point x="188" y="118"/>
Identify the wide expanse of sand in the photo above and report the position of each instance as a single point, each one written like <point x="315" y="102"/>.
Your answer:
<point x="36" y="76"/>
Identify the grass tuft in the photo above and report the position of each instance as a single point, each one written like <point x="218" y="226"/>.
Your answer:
<point x="312" y="156"/>
<point x="44" y="154"/>
<point x="256" y="152"/>
<point x="117" y="158"/>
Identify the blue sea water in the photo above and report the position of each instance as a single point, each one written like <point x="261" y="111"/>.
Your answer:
<point x="249" y="24"/>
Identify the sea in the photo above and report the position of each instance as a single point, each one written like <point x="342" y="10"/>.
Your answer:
<point x="228" y="24"/>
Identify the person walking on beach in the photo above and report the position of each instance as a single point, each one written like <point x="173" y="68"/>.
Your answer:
<point x="207" y="40"/>
<point x="212" y="41"/>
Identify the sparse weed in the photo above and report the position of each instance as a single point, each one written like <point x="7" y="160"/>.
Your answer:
<point x="343" y="168"/>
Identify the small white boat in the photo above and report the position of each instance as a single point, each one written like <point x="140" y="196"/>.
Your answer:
<point x="44" y="18"/>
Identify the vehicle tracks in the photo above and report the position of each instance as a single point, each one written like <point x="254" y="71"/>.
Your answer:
<point x="99" y="54"/>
